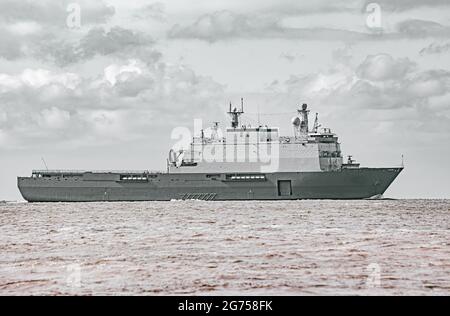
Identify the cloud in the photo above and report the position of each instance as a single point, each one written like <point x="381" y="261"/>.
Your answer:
<point x="379" y="91"/>
<point x="24" y="28"/>
<point x="384" y="67"/>
<point x="288" y="7"/>
<point x="37" y="29"/>
<point x="415" y="28"/>
<point x="428" y="84"/>
<point x="53" y="13"/>
<point x="324" y="6"/>
<point x="289" y="57"/>
<point x="155" y="11"/>
<point x="405" y="5"/>
<point x="121" y="73"/>
<point x="126" y="102"/>
<point x="118" y="40"/>
<point x="372" y="85"/>
<point x="36" y="79"/>
<point x="222" y="25"/>
<point x="226" y="25"/>
<point x="98" y="41"/>
<point x="53" y="118"/>
<point x="10" y="48"/>
<point x="435" y="48"/>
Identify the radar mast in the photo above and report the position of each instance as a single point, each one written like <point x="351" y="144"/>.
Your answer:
<point x="303" y="113"/>
<point x="316" y="124"/>
<point x="235" y="113"/>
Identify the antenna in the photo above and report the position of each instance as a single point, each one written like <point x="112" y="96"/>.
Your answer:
<point x="202" y="135"/>
<point x="42" y="158"/>
<point x="316" y="123"/>
<point x="259" y="118"/>
<point x="214" y="130"/>
<point x="242" y="105"/>
<point x="403" y="163"/>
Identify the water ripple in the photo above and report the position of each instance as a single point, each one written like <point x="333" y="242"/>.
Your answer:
<point x="204" y="248"/>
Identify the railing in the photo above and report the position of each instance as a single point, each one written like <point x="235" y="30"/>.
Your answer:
<point x="67" y="171"/>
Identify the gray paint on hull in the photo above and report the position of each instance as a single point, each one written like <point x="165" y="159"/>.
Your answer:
<point x="357" y="183"/>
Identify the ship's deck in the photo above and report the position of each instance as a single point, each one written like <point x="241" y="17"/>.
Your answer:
<point x="80" y="172"/>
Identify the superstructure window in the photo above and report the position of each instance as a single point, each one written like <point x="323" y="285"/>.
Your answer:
<point x="245" y="177"/>
<point x="133" y="178"/>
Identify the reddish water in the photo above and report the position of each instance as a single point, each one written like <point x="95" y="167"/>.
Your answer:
<point x="193" y="247"/>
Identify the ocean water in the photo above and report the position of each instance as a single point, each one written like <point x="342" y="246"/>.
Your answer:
<point x="377" y="247"/>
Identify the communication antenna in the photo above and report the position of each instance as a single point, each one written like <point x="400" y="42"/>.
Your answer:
<point x="215" y="128"/>
<point x="403" y="163"/>
<point x="44" y="163"/>
<point x="316" y="123"/>
<point x="259" y="117"/>
<point x="202" y="136"/>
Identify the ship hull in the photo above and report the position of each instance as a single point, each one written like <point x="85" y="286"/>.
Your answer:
<point x="358" y="183"/>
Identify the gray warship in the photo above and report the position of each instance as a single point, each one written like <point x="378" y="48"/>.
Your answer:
<point x="242" y="163"/>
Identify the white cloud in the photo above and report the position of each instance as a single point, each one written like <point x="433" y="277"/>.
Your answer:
<point x="37" y="78"/>
<point x="379" y="84"/>
<point x="405" y="5"/>
<point x="154" y="11"/>
<point x="416" y="28"/>
<point x="127" y="101"/>
<point x="123" y="73"/>
<point x="53" y="13"/>
<point x="24" y="28"/>
<point x="429" y="83"/>
<point x="226" y="25"/>
<point x="37" y="29"/>
<point x="117" y="41"/>
<point x="53" y="118"/>
<point x="384" y="67"/>
<point x="222" y="25"/>
<point x="435" y="48"/>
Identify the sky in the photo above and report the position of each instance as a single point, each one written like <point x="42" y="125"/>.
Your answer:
<point x="102" y="84"/>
